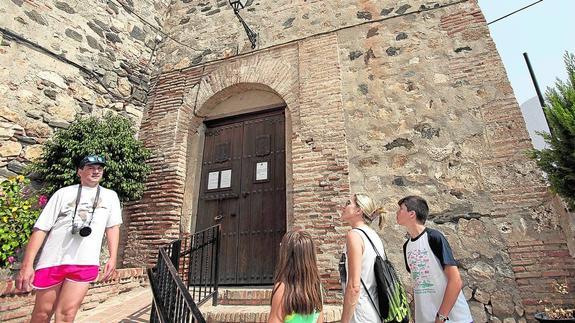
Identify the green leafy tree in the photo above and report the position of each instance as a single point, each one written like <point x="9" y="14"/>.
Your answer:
<point x="113" y="136"/>
<point x="558" y="161"/>
<point x="19" y="209"/>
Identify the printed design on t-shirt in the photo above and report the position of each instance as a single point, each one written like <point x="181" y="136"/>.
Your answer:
<point x="83" y="213"/>
<point x="419" y="262"/>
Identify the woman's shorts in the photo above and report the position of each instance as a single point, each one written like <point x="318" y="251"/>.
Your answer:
<point x="51" y="276"/>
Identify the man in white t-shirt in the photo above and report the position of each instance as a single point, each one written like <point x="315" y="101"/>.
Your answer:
<point x="71" y="228"/>
<point x="429" y="259"/>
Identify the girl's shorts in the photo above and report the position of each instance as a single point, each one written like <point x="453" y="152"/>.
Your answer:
<point x="52" y="276"/>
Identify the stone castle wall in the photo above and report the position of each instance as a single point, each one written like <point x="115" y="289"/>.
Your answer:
<point x="427" y="108"/>
<point x="114" y="53"/>
<point x="111" y="53"/>
<point x="390" y="97"/>
<point x="430" y="112"/>
<point x="207" y="30"/>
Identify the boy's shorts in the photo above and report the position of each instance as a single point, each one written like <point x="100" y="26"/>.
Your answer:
<point x="51" y="276"/>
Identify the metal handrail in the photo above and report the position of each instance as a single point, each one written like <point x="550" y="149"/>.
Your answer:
<point x="172" y="301"/>
<point x="185" y="277"/>
<point x="202" y="260"/>
<point x="157" y="313"/>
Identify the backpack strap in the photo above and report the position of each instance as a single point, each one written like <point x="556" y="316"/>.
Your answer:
<point x="371" y="242"/>
<point x="371" y="299"/>
<point x="363" y="284"/>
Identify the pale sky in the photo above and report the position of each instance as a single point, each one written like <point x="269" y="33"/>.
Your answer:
<point x="544" y="31"/>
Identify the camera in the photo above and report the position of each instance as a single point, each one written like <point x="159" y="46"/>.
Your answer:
<point x="82" y="229"/>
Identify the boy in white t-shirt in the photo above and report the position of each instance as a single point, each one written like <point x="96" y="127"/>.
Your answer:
<point x="429" y="259"/>
<point x="71" y="227"/>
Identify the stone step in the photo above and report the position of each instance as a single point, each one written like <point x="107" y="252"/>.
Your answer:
<point x="254" y="313"/>
<point x="244" y="295"/>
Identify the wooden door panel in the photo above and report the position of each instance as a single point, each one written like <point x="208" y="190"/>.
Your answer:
<point x="262" y="207"/>
<point x="222" y="152"/>
<point x="252" y="210"/>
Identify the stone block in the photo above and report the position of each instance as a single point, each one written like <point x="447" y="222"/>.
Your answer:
<point x="10" y="149"/>
<point x="64" y="7"/>
<point x="36" y="17"/>
<point x="133" y="110"/>
<point x="53" y="78"/>
<point x="5" y="173"/>
<point x="124" y="86"/>
<point x="482" y="271"/>
<point x="6" y="133"/>
<point x="10" y="115"/>
<point x="65" y="110"/>
<point x="34" y="113"/>
<point x="482" y="296"/>
<point x="16" y="166"/>
<point x="59" y="123"/>
<point x="33" y="152"/>
<point x="467" y="292"/>
<point x="478" y="311"/>
<point x="502" y="303"/>
<point x="101" y="101"/>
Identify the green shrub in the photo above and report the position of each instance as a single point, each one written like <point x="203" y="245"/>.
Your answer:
<point x="19" y="210"/>
<point x="113" y="136"/>
<point x="558" y="161"/>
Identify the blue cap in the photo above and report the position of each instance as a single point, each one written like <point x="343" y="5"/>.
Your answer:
<point x="92" y="160"/>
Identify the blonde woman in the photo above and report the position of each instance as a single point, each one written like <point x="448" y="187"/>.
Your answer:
<point x="357" y="261"/>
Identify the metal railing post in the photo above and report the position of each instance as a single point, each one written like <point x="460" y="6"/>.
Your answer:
<point x="175" y="254"/>
<point x="216" y="275"/>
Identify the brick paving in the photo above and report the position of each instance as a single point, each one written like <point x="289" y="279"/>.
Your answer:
<point x="133" y="306"/>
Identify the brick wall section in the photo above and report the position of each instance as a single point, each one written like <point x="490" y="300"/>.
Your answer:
<point x="538" y="266"/>
<point x="520" y="191"/>
<point x="17" y="307"/>
<point x="154" y="220"/>
<point x="320" y="166"/>
<point x="505" y="129"/>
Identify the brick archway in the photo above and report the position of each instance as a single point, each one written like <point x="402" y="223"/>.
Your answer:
<point x="317" y="162"/>
<point x="215" y="107"/>
<point x="173" y="128"/>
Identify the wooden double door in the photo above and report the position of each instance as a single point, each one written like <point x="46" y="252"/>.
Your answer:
<point x="243" y="189"/>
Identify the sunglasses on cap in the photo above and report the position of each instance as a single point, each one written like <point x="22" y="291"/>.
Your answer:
<point x="92" y="159"/>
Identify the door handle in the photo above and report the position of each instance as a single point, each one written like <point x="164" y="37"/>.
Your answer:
<point x="246" y="194"/>
<point x="218" y="217"/>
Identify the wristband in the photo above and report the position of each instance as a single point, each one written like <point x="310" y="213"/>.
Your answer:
<point x="442" y="317"/>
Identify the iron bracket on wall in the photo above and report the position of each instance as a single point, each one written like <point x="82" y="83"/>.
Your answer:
<point x="237" y="5"/>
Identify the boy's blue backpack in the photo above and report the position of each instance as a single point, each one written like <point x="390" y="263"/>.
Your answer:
<point x="392" y="298"/>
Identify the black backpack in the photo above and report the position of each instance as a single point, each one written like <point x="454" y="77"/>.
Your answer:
<point x="392" y="298"/>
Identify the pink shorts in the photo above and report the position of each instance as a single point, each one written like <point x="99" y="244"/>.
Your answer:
<point x="52" y="276"/>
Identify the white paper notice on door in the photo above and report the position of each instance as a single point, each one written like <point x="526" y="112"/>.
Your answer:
<point x="226" y="178"/>
<point x="261" y="171"/>
<point x="213" y="180"/>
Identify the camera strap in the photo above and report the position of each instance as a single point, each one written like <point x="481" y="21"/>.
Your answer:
<point x="78" y="203"/>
